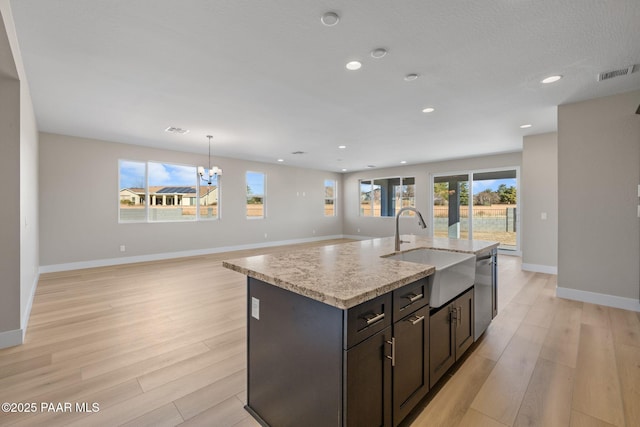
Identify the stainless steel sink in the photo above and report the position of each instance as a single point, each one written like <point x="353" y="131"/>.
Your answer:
<point x="455" y="271"/>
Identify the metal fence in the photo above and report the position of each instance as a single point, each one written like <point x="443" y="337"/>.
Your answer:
<point x="489" y="217"/>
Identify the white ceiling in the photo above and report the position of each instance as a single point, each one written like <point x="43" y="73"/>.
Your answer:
<point x="266" y="78"/>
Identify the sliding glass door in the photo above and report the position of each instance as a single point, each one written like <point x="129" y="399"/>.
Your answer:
<point x="495" y="207"/>
<point x="489" y="198"/>
<point x="451" y="206"/>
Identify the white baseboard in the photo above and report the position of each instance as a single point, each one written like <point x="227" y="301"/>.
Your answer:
<point x="357" y="237"/>
<point x="168" y="255"/>
<point x="537" y="268"/>
<point x="27" y="311"/>
<point x="601" y="299"/>
<point x="11" y="338"/>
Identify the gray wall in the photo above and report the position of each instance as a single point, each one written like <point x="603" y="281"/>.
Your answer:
<point x="10" y="212"/>
<point x="356" y="225"/>
<point x="19" y="174"/>
<point x="599" y="173"/>
<point x="79" y="204"/>
<point x="539" y="188"/>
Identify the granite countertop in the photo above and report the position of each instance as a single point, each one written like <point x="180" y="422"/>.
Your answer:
<point x="347" y="274"/>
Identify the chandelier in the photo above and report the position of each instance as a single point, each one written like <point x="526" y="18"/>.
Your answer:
<point x="207" y="175"/>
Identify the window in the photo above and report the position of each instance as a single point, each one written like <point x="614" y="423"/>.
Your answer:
<point x="384" y="197"/>
<point x="329" y="197"/>
<point x="209" y="197"/>
<point x="168" y="186"/>
<point x="366" y="205"/>
<point x="405" y="195"/>
<point x="156" y="192"/>
<point x="255" y="195"/>
<point x="132" y="179"/>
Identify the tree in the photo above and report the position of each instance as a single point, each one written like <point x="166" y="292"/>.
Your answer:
<point x="506" y="194"/>
<point x="464" y="193"/>
<point x="440" y="193"/>
<point x="486" y="198"/>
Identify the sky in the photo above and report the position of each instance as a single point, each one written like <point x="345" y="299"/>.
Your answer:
<point x="255" y="181"/>
<point x="492" y="184"/>
<point x="132" y="174"/>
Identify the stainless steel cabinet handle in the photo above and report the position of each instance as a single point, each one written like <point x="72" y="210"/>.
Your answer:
<point x="393" y="351"/>
<point x="373" y="318"/>
<point x="459" y="316"/>
<point x="415" y="319"/>
<point x="414" y="297"/>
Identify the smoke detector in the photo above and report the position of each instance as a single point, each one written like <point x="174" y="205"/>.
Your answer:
<point x="617" y="73"/>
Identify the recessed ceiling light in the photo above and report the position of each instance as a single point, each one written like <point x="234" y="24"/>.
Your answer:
<point x="378" y="53"/>
<point x="551" y="79"/>
<point x="344" y="170"/>
<point x="330" y="19"/>
<point x="410" y="77"/>
<point x="403" y="162"/>
<point x="342" y="147"/>
<point x="525" y="126"/>
<point x="428" y="110"/>
<point x="353" y="65"/>
<point x="281" y="160"/>
<point x="172" y="129"/>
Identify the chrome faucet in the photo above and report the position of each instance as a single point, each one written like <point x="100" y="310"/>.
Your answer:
<point x="421" y="223"/>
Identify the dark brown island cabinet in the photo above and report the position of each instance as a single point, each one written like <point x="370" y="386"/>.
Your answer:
<point x="312" y="364"/>
<point x="452" y="328"/>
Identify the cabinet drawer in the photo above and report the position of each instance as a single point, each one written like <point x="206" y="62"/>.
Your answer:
<point x="411" y="297"/>
<point x="367" y="318"/>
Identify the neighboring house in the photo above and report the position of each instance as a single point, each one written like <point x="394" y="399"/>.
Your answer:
<point x="132" y="196"/>
<point x="170" y="196"/>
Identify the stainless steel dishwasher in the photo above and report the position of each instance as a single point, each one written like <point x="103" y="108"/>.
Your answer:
<point x="486" y="290"/>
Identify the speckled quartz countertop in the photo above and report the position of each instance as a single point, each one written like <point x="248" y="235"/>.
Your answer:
<point x="347" y="274"/>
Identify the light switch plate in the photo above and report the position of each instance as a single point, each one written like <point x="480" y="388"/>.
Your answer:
<point x="638" y="190"/>
<point x="543" y="216"/>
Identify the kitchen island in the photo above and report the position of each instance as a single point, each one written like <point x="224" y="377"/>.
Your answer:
<point x="340" y="336"/>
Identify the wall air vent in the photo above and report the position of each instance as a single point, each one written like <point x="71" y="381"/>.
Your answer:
<point x="617" y="73"/>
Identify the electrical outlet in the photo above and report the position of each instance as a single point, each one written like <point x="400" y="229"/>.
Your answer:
<point x="265" y="235"/>
<point x="123" y="248"/>
<point x="638" y="190"/>
<point x="255" y="308"/>
<point x="314" y="231"/>
<point x="358" y="230"/>
<point x="543" y="216"/>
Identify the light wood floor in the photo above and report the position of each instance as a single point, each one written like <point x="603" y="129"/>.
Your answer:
<point x="163" y="343"/>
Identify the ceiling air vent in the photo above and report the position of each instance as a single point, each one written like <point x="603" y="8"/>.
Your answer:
<point x="298" y="152"/>
<point x="617" y="73"/>
<point x="179" y="131"/>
